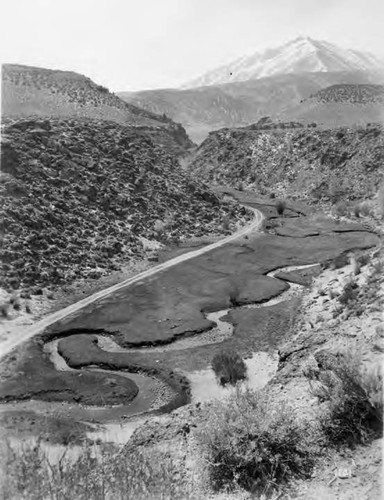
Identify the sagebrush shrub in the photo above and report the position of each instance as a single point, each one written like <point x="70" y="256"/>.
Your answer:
<point x="4" y="310"/>
<point x="341" y="208"/>
<point x="253" y="443"/>
<point x="354" y="410"/>
<point x="365" y="209"/>
<point x="349" y="293"/>
<point x="280" y="207"/>
<point x="363" y="260"/>
<point x="229" y="368"/>
<point x="341" y="261"/>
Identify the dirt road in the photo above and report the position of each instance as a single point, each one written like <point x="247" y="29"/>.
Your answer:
<point x="28" y="332"/>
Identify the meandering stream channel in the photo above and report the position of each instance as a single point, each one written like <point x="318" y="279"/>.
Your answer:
<point x="117" y="423"/>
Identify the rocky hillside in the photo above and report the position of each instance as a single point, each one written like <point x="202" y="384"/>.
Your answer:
<point x="29" y="91"/>
<point x="304" y="162"/>
<point x="204" y="109"/>
<point x="352" y="93"/>
<point x="79" y="195"/>
<point x="344" y="104"/>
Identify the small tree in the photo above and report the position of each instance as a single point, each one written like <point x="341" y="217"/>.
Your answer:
<point x="280" y="207"/>
<point x="229" y="368"/>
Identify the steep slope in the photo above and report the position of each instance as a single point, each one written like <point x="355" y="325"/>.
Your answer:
<point x="300" y="55"/>
<point x="78" y="196"/>
<point x="295" y="162"/>
<point x="204" y="109"/>
<point x="29" y="91"/>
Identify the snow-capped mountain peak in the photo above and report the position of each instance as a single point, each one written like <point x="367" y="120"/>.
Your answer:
<point x="303" y="54"/>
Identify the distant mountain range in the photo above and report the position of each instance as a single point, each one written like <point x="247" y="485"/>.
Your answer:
<point x="283" y="97"/>
<point x="297" y="56"/>
<point x="275" y="83"/>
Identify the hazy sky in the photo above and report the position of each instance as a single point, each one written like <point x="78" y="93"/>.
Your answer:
<point x="130" y="45"/>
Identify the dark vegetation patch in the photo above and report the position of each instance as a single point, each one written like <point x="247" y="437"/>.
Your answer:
<point x="349" y="293"/>
<point x="229" y="368"/>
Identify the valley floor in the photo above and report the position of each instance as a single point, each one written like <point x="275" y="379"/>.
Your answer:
<point x="267" y="319"/>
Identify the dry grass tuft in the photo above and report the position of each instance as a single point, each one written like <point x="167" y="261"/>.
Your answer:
<point x="110" y="475"/>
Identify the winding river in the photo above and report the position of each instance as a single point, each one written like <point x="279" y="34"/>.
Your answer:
<point x="117" y="423"/>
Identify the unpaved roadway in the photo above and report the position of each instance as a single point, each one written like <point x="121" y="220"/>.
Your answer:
<point x="28" y="332"/>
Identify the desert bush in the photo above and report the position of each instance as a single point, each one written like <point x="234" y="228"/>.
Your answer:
<point x="225" y="223"/>
<point x="253" y="443"/>
<point x="363" y="260"/>
<point x="354" y="403"/>
<point x="365" y="209"/>
<point x="159" y="227"/>
<point x="95" y="475"/>
<point x="341" y="208"/>
<point x="372" y="383"/>
<point x="378" y="267"/>
<point x="280" y="207"/>
<point x="349" y="293"/>
<point x="17" y="305"/>
<point x="4" y="308"/>
<point x="229" y="368"/>
<point x="340" y="261"/>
